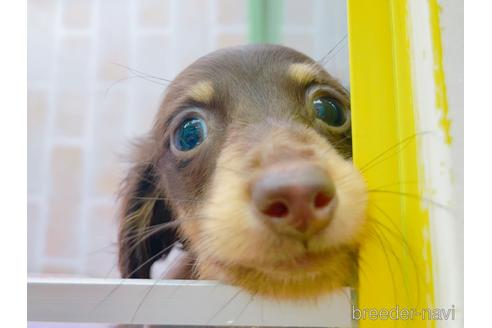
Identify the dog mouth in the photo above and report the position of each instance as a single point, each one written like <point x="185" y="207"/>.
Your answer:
<point x="307" y="262"/>
<point x="307" y="275"/>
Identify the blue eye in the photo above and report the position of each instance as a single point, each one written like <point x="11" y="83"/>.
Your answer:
<point x="329" y="111"/>
<point x="190" y="134"/>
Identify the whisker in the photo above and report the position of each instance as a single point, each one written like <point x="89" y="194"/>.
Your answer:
<point x="158" y="254"/>
<point x="172" y="199"/>
<point x="338" y="44"/>
<point x="399" y="184"/>
<point x="401" y="143"/>
<point x="114" y="83"/>
<point x="97" y="250"/>
<point x="245" y="307"/>
<point x="406" y="249"/>
<point x="135" y="71"/>
<point x="405" y="243"/>
<point x="136" y="238"/>
<point x="236" y="294"/>
<point x="390" y="267"/>
<point x="410" y="195"/>
<point x="155" y="229"/>
<point x="365" y="264"/>
<point x="124" y="279"/>
<point x="151" y="288"/>
<point x="151" y="230"/>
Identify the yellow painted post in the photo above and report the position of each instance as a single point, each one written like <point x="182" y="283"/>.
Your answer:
<point x="395" y="273"/>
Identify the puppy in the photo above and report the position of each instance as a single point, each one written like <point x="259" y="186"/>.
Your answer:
<point x="248" y="165"/>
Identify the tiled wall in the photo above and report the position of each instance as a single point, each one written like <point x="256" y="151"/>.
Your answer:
<point x="84" y="105"/>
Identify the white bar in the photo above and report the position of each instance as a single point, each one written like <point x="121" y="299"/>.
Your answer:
<point x="175" y="302"/>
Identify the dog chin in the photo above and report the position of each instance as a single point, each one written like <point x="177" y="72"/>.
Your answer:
<point x="309" y="276"/>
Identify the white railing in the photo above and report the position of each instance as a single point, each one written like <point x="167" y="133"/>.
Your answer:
<point x="176" y="302"/>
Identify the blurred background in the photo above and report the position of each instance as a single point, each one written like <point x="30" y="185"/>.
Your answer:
<point x="93" y="86"/>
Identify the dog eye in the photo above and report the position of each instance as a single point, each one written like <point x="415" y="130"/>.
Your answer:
<point x="329" y="111"/>
<point x="190" y="134"/>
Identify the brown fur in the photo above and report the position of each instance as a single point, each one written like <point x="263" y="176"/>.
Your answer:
<point x="253" y="99"/>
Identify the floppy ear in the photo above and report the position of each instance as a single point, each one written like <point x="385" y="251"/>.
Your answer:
<point x="143" y="207"/>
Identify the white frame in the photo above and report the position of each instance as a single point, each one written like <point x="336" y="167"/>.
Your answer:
<point x="176" y="302"/>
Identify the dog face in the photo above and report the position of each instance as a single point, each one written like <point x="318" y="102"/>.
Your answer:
<point x="250" y="156"/>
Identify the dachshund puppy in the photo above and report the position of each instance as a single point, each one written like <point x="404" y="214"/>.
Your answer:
<point x="248" y="165"/>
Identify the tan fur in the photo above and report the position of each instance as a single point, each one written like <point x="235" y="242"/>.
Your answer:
<point x="303" y="73"/>
<point x="202" y="92"/>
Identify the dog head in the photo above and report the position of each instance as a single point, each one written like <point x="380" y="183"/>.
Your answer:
<point x="250" y="157"/>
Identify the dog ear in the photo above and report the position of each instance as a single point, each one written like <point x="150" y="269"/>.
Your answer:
<point x="143" y="207"/>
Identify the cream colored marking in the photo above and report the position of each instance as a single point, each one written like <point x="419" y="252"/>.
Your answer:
<point x="202" y="91"/>
<point x="303" y="73"/>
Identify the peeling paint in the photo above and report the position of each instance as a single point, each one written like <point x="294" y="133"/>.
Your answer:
<point x="440" y="82"/>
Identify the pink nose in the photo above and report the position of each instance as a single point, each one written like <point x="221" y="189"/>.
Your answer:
<point x="297" y="196"/>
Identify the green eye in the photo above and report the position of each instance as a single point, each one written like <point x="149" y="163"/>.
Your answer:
<point x="329" y="111"/>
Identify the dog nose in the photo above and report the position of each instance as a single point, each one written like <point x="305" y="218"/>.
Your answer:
<point x="296" y="196"/>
